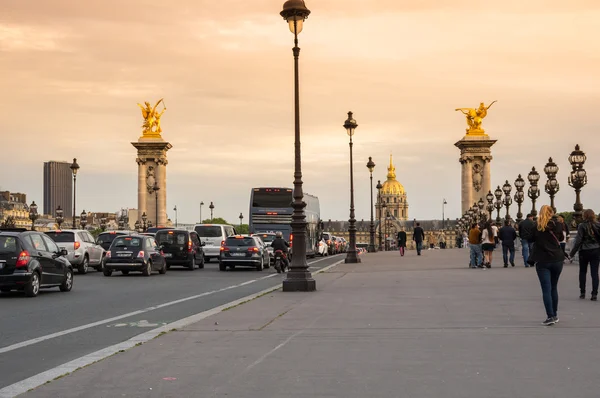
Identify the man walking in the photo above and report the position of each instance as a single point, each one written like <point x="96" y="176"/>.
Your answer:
<point x="475" y="246"/>
<point x="526" y="229"/>
<point x="418" y="237"/>
<point x="508" y="235"/>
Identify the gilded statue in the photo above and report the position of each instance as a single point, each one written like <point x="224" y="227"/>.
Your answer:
<point x="475" y="117"/>
<point x="151" y="117"/>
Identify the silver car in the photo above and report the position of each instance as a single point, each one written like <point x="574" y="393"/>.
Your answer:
<point x="81" y="246"/>
<point x="267" y="238"/>
<point x="213" y="236"/>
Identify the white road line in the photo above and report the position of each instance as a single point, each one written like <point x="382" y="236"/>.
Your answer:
<point x="127" y="315"/>
<point x="41" y="378"/>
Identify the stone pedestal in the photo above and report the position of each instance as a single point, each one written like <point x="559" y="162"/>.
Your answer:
<point x="152" y="167"/>
<point x="475" y="158"/>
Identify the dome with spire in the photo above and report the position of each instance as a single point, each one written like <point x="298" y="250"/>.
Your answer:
<point x="392" y="186"/>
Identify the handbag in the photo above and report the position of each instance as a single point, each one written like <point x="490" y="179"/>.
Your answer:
<point x="530" y="259"/>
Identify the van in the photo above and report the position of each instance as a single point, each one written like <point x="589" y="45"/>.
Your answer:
<point x="211" y="236"/>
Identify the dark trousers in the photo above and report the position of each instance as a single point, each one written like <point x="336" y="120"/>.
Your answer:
<point x="419" y="245"/>
<point x="505" y="250"/>
<point x="591" y="257"/>
<point x="548" y="274"/>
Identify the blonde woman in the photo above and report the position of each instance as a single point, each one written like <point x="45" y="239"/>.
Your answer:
<point x="548" y="257"/>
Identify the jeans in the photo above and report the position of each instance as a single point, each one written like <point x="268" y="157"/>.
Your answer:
<point x="591" y="257"/>
<point x="419" y="247"/>
<point x="526" y="249"/>
<point x="548" y="274"/>
<point x="508" y="248"/>
<point x="476" y="255"/>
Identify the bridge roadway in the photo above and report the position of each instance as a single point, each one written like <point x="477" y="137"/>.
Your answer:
<point x="41" y="333"/>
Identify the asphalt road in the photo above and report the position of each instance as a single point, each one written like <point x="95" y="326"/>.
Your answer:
<point x="36" y="334"/>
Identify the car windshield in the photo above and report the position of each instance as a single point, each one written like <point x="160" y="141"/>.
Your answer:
<point x="107" y="238"/>
<point x="326" y="237"/>
<point x="128" y="241"/>
<point x="267" y="238"/>
<point x="61" y="237"/>
<point x="171" y="238"/>
<point x="8" y="244"/>
<point x="240" y="241"/>
<point x="208" y="231"/>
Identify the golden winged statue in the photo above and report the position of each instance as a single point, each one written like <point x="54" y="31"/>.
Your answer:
<point x="475" y="117"/>
<point x="151" y="117"/>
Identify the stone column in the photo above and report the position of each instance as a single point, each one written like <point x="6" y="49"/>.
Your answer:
<point x="487" y="177"/>
<point x="142" y="191"/>
<point x="161" y="172"/>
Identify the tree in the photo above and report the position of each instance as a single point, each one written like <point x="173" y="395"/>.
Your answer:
<point x="8" y="223"/>
<point x="243" y="229"/>
<point x="216" y="220"/>
<point x="567" y="215"/>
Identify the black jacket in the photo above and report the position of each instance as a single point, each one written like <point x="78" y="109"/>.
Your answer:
<point x="507" y="235"/>
<point x="526" y="228"/>
<point x="418" y="234"/>
<point x="280" y="244"/>
<point x="587" y="237"/>
<point x="401" y="238"/>
<point x="546" y="246"/>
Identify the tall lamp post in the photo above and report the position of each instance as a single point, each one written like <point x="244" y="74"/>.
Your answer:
<point x="241" y="219"/>
<point x="74" y="169"/>
<point x="490" y="204"/>
<point x="507" y="189"/>
<point x="212" y="208"/>
<point x="519" y="196"/>
<point x="33" y="214"/>
<point x="103" y="224"/>
<point x="371" y="248"/>
<point x="379" y="186"/>
<point x="384" y="207"/>
<point x="481" y="206"/>
<point x="299" y="277"/>
<point x="175" y="210"/>
<point x="444" y="203"/>
<point x="351" y="256"/>
<point x="499" y="204"/>
<point x="577" y="179"/>
<point x="552" y="187"/>
<point x="83" y="219"/>
<point x="201" y="204"/>
<point x="534" y="190"/>
<point x="59" y="216"/>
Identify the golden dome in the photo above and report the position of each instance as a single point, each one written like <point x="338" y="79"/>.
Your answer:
<point x="392" y="186"/>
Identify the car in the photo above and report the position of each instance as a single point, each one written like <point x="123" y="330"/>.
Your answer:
<point x="83" y="250"/>
<point x="248" y="251"/>
<point x="105" y="239"/>
<point x="30" y="261"/>
<point x="341" y="244"/>
<point x="134" y="253"/>
<point x="330" y="240"/>
<point x="212" y="236"/>
<point x="322" y="249"/>
<point x="267" y="239"/>
<point x="181" y="247"/>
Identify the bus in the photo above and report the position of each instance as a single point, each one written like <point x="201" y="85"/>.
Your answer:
<point x="271" y="211"/>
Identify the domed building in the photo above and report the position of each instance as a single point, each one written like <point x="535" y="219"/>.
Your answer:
<point x="393" y="196"/>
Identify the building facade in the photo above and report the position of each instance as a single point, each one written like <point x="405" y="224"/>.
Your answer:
<point x="393" y="195"/>
<point x="14" y="206"/>
<point x="58" y="188"/>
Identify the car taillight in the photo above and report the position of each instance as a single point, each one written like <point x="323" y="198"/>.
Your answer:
<point x="141" y="254"/>
<point x="107" y="255"/>
<point x="23" y="259"/>
<point x="253" y="249"/>
<point x="189" y="245"/>
<point x="77" y="245"/>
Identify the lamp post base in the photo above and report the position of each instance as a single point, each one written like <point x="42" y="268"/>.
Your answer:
<point x="299" y="282"/>
<point x="371" y="249"/>
<point x="352" y="258"/>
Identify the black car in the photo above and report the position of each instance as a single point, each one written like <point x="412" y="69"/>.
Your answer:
<point x="247" y="251"/>
<point x="105" y="239"/>
<point x="134" y="253"/>
<point x="181" y="247"/>
<point x="30" y="261"/>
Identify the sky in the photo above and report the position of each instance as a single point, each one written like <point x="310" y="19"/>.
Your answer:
<point x="72" y="72"/>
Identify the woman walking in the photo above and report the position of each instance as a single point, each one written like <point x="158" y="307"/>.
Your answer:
<point x="488" y="244"/>
<point x="402" y="241"/>
<point x="548" y="257"/>
<point x="587" y="244"/>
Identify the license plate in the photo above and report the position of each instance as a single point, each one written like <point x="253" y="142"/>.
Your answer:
<point x="167" y="255"/>
<point x="209" y="244"/>
<point x="1" y="265"/>
<point x="124" y="255"/>
<point x="238" y="254"/>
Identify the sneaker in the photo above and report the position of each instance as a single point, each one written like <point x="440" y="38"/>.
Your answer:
<point x="582" y="296"/>
<point x="556" y="319"/>
<point x="505" y="265"/>
<point x="513" y="264"/>
<point x="488" y="265"/>
<point x="549" y="321"/>
<point x="594" y="298"/>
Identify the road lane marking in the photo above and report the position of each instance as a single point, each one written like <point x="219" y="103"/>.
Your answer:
<point x="127" y="315"/>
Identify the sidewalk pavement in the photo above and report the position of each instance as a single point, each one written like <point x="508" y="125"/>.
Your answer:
<point x="389" y="327"/>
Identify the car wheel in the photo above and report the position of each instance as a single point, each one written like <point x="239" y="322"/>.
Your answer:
<point x="222" y="267"/>
<point x="67" y="284"/>
<point x="148" y="270"/>
<point x="107" y="272"/>
<point x="192" y="263"/>
<point x="100" y="266"/>
<point x="268" y="263"/>
<point x="163" y="270"/>
<point x="261" y="266"/>
<point x="32" y="288"/>
<point x="125" y="272"/>
<point x="201" y="265"/>
<point x="83" y="267"/>
<point x="5" y="290"/>
<point x="206" y="259"/>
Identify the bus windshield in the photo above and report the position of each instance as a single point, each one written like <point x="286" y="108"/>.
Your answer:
<point x="272" y="198"/>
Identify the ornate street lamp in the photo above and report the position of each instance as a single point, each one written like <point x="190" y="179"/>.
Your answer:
<point x="499" y="204"/>
<point x="103" y="224"/>
<point x="490" y="204"/>
<point x="212" y="208"/>
<point x="83" y="219"/>
<point x="507" y="189"/>
<point x="121" y="223"/>
<point x="299" y="277"/>
<point x="74" y="169"/>
<point x="534" y="191"/>
<point x="519" y="196"/>
<point x="552" y="187"/>
<point x="33" y="214"/>
<point x="59" y="216"/>
<point x="351" y="256"/>
<point x="155" y="189"/>
<point x="175" y="210"/>
<point x="379" y="205"/>
<point x="371" y="248"/>
<point x="201" y="204"/>
<point x="138" y="226"/>
<point x="145" y="222"/>
<point x="241" y="219"/>
<point x="577" y="179"/>
<point x="384" y="211"/>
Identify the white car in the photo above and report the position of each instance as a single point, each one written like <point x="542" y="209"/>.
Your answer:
<point x="322" y="251"/>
